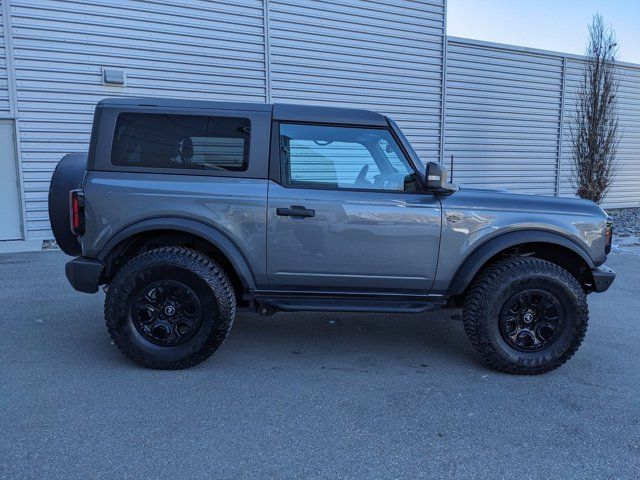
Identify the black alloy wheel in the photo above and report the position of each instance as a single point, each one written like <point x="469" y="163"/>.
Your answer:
<point x="530" y="320"/>
<point x="166" y="312"/>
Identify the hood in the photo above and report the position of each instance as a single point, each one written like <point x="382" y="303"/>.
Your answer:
<point x="504" y="200"/>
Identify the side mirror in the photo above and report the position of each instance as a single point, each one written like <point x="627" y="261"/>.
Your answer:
<point x="436" y="177"/>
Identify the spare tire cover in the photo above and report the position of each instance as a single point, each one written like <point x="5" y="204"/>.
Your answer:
<point x="67" y="176"/>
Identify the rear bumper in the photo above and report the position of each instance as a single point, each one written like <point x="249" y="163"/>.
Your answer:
<point x="84" y="274"/>
<point x="603" y="277"/>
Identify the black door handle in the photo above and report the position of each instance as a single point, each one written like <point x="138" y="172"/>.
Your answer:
<point x="295" y="211"/>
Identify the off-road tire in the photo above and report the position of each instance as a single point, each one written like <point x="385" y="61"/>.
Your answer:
<point x="491" y="289"/>
<point x="199" y="272"/>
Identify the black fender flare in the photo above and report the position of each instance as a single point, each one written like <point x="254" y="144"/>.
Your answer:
<point x="214" y="236"/>
<point x="472" y="264"/>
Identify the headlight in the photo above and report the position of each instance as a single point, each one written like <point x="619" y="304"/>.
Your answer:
<point x="608" y="237"/>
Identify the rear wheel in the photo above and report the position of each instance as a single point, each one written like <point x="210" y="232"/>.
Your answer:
<point x="525" y="315"/>
<point x="170" y="308"/>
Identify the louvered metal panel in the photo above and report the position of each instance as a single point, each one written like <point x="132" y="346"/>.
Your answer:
<point x="4" y="83"/>
<point x="202" y="50"/>
<point x="505" y="106"/>
<point x="625" y="190"/>
<point x="380" y="55"/>
<point x="502" y="116"/>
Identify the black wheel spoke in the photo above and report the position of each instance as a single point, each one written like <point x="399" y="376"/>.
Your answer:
<point x="176" y="292"/>
<point x="181" y="328"/>
<point x="146" y="313"/>
<point x="511" y="324"/>
<point x="549" y="313"/>
<point x="155" y="295"/>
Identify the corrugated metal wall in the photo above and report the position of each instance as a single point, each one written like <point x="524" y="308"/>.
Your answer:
<point x="381" y="55"/>
<point x="626" y="186"/>
<point x="384" y="55"/>
<point x="204" y="50"/>
<point x="502" y="122"/>
<point x="507" y="116"/>
<point x="503" y="104"/>
<point x="4" y="84"/>
<point x="625" y="190"/>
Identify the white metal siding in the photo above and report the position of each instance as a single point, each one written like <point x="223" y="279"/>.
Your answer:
<point x="4" y="88"/>
<point x="504" y="105"/>
<point x="502" y="117"/>
<point x="380" y="55"/>
<point x="203" y="50"/>
<point x="625" y="190"/>
<point x="387" y="56"/>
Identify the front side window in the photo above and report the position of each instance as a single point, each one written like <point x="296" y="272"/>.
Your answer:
<point x="343" y="158"/>
<point x="181" y="141"/>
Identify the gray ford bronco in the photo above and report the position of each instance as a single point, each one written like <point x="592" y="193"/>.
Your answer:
<point x="187" y="210"/>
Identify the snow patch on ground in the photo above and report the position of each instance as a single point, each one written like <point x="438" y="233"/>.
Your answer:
<point x="628" y="245"/>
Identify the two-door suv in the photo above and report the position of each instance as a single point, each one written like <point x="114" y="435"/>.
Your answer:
<point x="188" y="210"/>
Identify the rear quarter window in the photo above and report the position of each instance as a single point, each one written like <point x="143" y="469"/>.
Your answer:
<point x="172" y="141"/>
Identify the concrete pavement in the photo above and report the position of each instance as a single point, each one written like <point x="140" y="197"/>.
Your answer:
<point x="308" y="395"/>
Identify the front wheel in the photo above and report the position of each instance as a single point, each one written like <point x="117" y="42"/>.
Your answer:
<point x="525" y="315"/>
<point x="170" y="308"/>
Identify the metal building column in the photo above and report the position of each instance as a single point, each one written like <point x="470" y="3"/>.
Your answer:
<point x="5" y="9"/>
<point x="267" y="52"/>
<point x="443" y="100"/>
<point x="8" y="48"/>
<point x="561" y="132"/>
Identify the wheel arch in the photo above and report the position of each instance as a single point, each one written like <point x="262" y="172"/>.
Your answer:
<point x="226" y="251"/>
<point x="546" y="245"/>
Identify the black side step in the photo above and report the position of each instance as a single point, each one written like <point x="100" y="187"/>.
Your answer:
<point x="345" y="302"/>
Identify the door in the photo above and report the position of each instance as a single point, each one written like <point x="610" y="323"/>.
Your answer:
<point x="10" y="212"/>
<point x="348" y="213"/>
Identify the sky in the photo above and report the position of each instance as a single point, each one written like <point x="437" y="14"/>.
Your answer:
<point x="558" y="25"/>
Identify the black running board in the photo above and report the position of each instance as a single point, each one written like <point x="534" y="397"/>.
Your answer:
<point x="269" y="301"/>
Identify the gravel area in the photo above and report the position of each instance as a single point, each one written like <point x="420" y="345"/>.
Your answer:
<point x="626" y="226"/>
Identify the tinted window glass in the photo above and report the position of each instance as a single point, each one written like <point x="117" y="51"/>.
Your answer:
<point x="344" y="157"/>
<point x="181" y="141"/>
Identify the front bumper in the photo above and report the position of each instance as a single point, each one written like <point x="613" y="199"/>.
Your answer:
<point x="84" y="274"/>
<point x="603" y="277"/>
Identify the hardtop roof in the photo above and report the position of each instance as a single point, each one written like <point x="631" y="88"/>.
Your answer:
<point x="280" y="111"/>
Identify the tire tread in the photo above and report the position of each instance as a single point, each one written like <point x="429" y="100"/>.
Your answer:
<point x="480" y="295"/>
<point x="195" y="261"/>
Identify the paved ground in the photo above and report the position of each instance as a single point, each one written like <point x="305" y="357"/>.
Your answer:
<point x="308" y="396"/>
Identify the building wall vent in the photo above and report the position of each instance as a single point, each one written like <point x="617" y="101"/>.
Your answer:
<point x="113" y="77"/>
